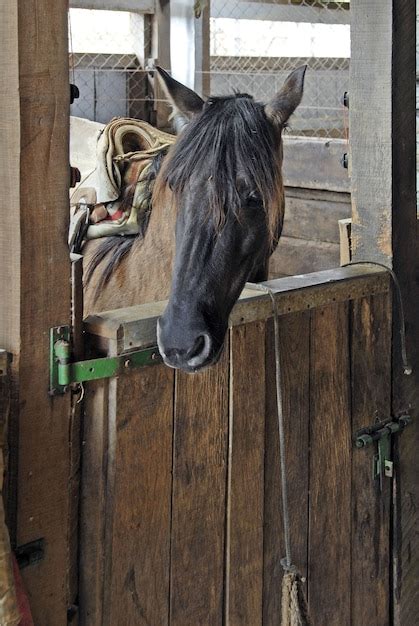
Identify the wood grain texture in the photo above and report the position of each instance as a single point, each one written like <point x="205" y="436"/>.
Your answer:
<point x="34" y="284"/>
<point x="314" y="218"/>
<point x="135" y="327"/>
<point x="300" y="256"/>
<point x="371" y="401"/>
<point x="370" y="129"/>
<point x="199" y="496"/>
<point x="295" y="352"/>
<point x="405" y="235"/>
<point x="93" y="503"/>
<point x="383" y="147"/>
<point x="314" y="163"/>
<point x="161" y="54"/>
<point x="138" y="552"/>
<point x="330" y="468"/>
<point x="244" y="563"/>
<point x="345" y="227"/>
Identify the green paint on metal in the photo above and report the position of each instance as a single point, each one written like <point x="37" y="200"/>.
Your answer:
<point x="63" y="372"/>
<point x="94" y="369"/>
<point x="58" y="334"/>
<point x="381" y="433"/>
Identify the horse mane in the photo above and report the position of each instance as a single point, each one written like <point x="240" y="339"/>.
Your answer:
<point x="234" y="131"/>
<point x="115" y="248"/>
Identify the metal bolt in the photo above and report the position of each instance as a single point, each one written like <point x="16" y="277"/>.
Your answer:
<point x="345" y="99"/>
<point x="363" y="440"/>
<point x="344" y="161"/>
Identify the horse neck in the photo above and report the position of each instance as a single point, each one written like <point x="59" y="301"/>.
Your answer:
<point x="144" y="275"/>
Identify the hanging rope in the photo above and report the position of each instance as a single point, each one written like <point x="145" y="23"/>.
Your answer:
<point x="294" y="606"/>
<point x="407" y="368"/>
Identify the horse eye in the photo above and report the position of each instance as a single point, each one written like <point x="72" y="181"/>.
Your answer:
<point x="253" y="198"/>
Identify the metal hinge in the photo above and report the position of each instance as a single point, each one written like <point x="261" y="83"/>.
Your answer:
<point x="64" y="372"/>
<point x="381" y="433"/>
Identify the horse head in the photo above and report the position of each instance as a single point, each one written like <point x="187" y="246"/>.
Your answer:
<point x="223" y="177"/>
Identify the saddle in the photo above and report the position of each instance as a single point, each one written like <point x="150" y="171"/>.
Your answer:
<point x="113" y="196"/>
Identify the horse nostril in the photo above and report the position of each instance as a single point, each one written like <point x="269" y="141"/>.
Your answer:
<point x="197" y="348"/>
<point x="200" y="351"/>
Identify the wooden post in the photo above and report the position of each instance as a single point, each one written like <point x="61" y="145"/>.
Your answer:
<point x="202" y="53"/>
<point x="35" y="280"/>
<point x="385" y="229"/>
<point x="161" y="55"/>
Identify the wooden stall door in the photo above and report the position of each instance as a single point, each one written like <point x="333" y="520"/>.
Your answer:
<point x="181" y="509"/>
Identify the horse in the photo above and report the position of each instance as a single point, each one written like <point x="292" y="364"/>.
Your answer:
<point x="217" y="208"/>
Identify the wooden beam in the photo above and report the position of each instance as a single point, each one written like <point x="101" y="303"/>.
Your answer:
<point x="135" y="6"/>
<point x="385" y="229"/>
<point x="314" y="163"/>
<point x="161" y="55"/>
<point x="135" y="327"/>
<point x="35" y="280"/>
<point x="202" y="53"/>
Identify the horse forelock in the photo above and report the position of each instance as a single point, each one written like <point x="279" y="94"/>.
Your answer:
<point x="231" y="140"/>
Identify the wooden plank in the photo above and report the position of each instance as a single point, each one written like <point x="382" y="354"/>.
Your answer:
<point x="345" y="227"/>
<point x="330" y="469"/>
<point x="405" y="235"/>
<point x="313" y="163"/>
<point x="385" y="229"/>
<point x="199" y="496"/>
<point x="161" y="54"/>
<point x="93" y="502"/>
<point x="300" y="256"/>
<point x="314" y="219"/>
<point x="135" y="6"/>
<point x="135" y="327"/>
<point x="139" y="499"/>
<point x="371" y="401"/>
<point x="202" y="84"/>
<point x="295" y="352"/>
<point x="244" y="561"/>
<point x="9" y="608"/>
<point x="34" y="280"/>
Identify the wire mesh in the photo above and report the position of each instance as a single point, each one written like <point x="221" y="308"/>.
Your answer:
<point x="253" y="46"/>
<point x="108" y="63"/>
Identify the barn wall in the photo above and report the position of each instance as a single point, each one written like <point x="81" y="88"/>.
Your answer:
<point x="317" y="195"/>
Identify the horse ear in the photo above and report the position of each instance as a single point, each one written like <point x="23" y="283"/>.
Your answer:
<point x="284" y="103"/>
<point x="184" y="101"/>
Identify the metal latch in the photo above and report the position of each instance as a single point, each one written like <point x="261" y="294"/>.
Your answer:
<point x="64" y="372"/>
<point x="30" y="553"/>
<point x="381" y="433"/>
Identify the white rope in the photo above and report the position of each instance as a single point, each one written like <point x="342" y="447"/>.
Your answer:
<point x="287" y="561"/>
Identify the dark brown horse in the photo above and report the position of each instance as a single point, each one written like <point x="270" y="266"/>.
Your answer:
<point x="217" y="213"/>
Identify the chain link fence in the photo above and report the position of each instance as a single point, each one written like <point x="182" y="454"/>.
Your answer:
<point x="253" y="46"/>
<point x="108" y="58"/>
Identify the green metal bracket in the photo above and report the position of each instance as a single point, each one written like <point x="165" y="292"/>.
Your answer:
<point x="381" y="433"/>
<point x="64" y="372"/>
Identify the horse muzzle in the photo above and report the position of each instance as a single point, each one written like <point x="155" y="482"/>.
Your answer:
<point x="189" y="349"/>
